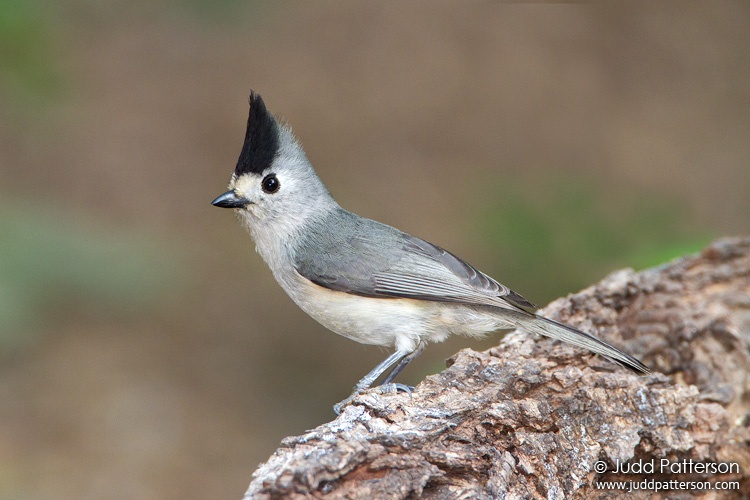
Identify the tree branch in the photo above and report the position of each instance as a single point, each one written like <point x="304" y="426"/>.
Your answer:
<point x="537" y="418"/>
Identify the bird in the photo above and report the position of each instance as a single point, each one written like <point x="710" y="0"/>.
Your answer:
<point x="363" y="279"/>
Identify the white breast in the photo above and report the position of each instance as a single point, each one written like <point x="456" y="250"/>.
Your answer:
<point x="390" y="322"/>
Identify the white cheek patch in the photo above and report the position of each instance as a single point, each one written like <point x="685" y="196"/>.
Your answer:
<point x="247" y="186"/>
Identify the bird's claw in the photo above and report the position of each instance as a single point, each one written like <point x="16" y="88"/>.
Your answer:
<point x="393" y="387"/>
<point x="381" y="389"/>
<point x="339" y="407"/>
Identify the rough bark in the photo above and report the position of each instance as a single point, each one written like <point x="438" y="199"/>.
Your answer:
<point x="536" y="418"/>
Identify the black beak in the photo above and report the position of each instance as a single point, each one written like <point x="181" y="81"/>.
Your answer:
<point x="230" y="200"/>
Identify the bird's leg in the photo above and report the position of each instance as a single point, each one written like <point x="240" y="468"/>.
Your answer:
<point x="402" y="364"/>
<point x="371" y="377"/>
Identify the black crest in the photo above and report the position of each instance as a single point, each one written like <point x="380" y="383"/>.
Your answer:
<point x="261" y="139"/>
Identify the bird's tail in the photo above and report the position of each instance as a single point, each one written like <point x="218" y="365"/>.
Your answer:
<point x="549" y="328"/>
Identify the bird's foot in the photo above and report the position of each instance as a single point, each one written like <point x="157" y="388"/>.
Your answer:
<point x="339" y="407"/>
<point x="381" y="389"/>
<point x="393" y="387"/>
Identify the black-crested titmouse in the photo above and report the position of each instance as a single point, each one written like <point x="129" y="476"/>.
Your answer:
<point x="362" y="279"/>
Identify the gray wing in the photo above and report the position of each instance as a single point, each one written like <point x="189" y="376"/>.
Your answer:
<point x="443" y="276"/>
<point x="347" y="253"/>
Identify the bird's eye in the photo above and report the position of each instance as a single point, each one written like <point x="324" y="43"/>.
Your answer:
<point x="270" y="184"/>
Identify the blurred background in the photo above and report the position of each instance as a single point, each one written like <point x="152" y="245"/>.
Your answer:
<point x="145" y="350"/>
